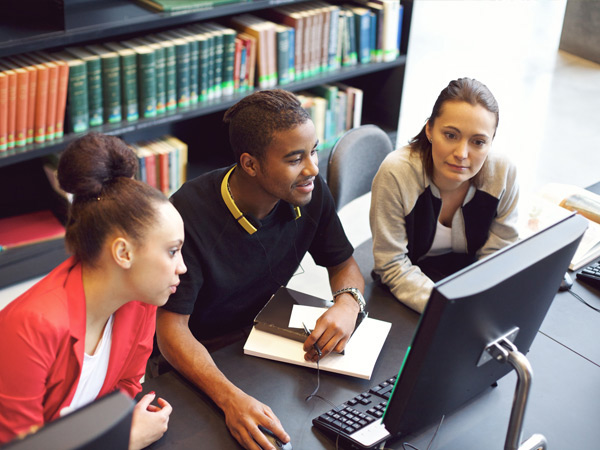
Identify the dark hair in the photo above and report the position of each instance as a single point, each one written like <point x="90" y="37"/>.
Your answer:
<point x="98" y="170"/>
<point x="253" y="120"/>
<point x="462" y="90"/>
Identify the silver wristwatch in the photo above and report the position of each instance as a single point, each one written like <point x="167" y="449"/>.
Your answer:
<point x="356" y="294"/>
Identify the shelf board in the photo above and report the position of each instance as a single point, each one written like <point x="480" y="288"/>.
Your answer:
<point x="180" y="114"/>
<point x="93" y="21"/>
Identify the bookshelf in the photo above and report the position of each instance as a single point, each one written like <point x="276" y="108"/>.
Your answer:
<point x="83" y="22"/>
<point x="41" y="26"/>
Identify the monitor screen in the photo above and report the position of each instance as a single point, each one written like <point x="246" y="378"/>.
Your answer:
<point x="102" y="424"/>
<point x="511" y="289"/>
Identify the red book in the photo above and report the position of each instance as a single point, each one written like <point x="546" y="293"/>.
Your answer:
<point x="31" y="95"/>
<point x="29" y="228"/>
<point x="41" y="98"/>
<point x="11" y="107"/>
<point x="52" y="94"/>
<point x="237" y="60"/>
<point x="3" y="111"/>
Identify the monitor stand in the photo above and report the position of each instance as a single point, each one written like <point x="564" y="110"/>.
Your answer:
<point x="503" y="350"/>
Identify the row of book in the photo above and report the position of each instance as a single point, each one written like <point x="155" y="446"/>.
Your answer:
<point x="334" y="108"/>
<point x="162" y="163"/>
<point x="147" y="76"/>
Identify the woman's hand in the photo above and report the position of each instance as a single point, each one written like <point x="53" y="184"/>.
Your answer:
<point x="149" y="421"/>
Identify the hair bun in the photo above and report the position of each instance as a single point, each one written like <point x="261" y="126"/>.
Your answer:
<point x="93" y="161"/>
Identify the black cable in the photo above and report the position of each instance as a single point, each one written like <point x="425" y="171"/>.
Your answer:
<point x="429" y="446"/>
<point x="582" y="300"/>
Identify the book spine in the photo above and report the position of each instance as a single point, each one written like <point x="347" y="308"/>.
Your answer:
<point x="283" y="59"/>
<point x="228" y="62"/>
<point x="332" y="61"/>
<point x="194" y="70"/>
<point x="204" y="72"/>
<point x="182" y="58"/>
<point x="61" y="98"/>
<point x="31" y="102"/>
<point x="129" y="86"/>
<point x="77" y="100"/>
<point x="161" y="80"/>
<point x="52" y="100"/>
<point x="3" y="111"/>
<point x="12" y="109"/>
<point x="171" y="76"/>
<point x="373" y="36"/>
<point x="164" y="172"/>
<point x="352" y="57"/>
<point x="111" y="88"/>
<point x="94" y="80"/>
<point x="151" y="169"/>
<point x="362" y="23"/>
<point x="21" y="110"/>
<point x="237" y="64"/>
<point x="218" y="64"/>
<point x="291" y="54"/>
<point x="41" y="104"/>
<point x="244" y="66"/>
<point x="211" y="67"/>
<point x="147" y="83"/>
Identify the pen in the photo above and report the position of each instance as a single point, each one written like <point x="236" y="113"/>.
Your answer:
<point x="307" y="331"/>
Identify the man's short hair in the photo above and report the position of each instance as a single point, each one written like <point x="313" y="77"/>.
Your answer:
<point x="253" y="120"/>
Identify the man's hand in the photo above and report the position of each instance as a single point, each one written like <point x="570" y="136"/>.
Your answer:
<point x="149" y="421"/>
<point x="333" y="328"/>
<point x="243" y="415"/>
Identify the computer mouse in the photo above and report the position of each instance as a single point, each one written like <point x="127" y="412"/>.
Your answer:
<point x="274" y="440"/>
<point x="566" y="283"/>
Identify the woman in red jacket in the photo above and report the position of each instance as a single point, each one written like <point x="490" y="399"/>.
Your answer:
<point x="86" y="329"/>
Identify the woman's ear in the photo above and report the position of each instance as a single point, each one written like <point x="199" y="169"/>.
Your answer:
<point x="428" y="132"/>
<point x="122" y="252"/>
<point x="249" y="164"/>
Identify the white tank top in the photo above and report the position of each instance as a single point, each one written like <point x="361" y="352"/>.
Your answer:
<point x="93" y="372"/>
<point x="442" y="241"/>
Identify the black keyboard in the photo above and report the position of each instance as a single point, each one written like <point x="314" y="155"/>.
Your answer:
<point x="591" y="275"/>
<point x="357" y="421"/>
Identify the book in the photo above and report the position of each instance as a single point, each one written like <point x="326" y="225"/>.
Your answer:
<point x="184" y="5"/>
<point x="170" y="70"/>
<point x="94" y="82"/>
<point x="41" y="98"/>
<point x="111" y="82"/>
<point x="21" y="94"/>
<point x="52" y="94"/>
<point x="77" y="98"/>
<point x="182" y="66"/>
<point x="193" y="40"/>
<point x="61" y="96"/>
<point x="32" y="69"/>
<point x="296" y="20"/>
<point x="283" y="53"/>
<point x="160" y="73"/>
<point x="11" y="107"/>
<point x="251" y="50"/>
<point x="329" y="93"/>
<point x="3" y="110"/>
<point x="555" y="201"/>
<point x="146" y="73"/>
<point x="287" y="311"/>
<point x="129" y="80"/>
<point x="29" y="228"/>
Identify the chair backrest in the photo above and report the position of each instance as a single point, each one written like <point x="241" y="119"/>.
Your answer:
<point x="354" y="161"/>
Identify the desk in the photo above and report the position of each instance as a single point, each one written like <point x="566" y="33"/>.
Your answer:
<point x="564" y="402"/>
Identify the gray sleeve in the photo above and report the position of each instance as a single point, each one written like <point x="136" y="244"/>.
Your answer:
<point x="503" y="230"/>
<point x="394" y="192"/>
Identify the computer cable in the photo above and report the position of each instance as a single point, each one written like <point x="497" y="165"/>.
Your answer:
<point x="429" y="446"/>
<point x="578" y="297"/>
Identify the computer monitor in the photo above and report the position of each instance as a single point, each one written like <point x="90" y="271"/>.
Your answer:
<point x="102" y="424"/>
<point x="506" y="293"/>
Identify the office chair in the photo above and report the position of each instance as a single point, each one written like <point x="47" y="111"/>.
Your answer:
<point x="354" y="161"/>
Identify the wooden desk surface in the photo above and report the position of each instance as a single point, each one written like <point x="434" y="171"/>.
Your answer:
<point x="563" y="405"/>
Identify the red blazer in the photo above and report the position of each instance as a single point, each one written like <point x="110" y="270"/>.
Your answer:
<point x="42" y="337"/>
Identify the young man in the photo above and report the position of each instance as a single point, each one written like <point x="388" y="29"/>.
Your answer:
<point x="247" y="228"/>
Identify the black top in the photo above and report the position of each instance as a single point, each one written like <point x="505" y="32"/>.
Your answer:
<point x="232" y="274"/>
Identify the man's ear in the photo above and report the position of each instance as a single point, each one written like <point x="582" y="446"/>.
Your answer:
<point x="122" y="252"/>
<point x="249" y="164"/>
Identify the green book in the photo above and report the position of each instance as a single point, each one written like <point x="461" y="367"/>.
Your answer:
<point x="282" y="34"/>
<point x="184" y="5"/>
<point x="204" y="42"/>
<point x="160" y="74"/>
<point x="182" y="61"/>
<point x="111" y="82"/>
<point x="350" y="57"/>
<point x="146" y="73"/>
<point x="77" y="92"/>
<point x="207" y="60"/>
<point x="229" y="34"/>
<point x="129" y="83"/>
<point x="170" y="70"/>
<point x="94" y="80"/>
<point x="330" y="93"/>
<point x="193" y="40"/>
<point x="217" y="58"/>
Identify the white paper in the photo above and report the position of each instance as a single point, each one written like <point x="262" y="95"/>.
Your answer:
<point x="305" y="314"/>
<point x="360" y="356"/>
